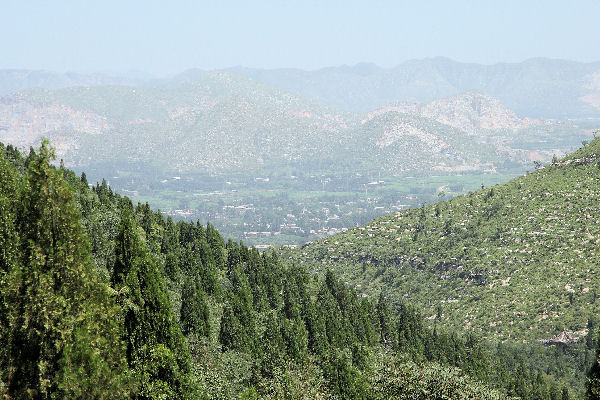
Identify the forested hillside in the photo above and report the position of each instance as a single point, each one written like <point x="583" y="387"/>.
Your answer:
<point x="102" y="298"/>
<point x="515" y="261"/>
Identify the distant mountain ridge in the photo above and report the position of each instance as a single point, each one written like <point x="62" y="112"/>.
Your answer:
<point x="221" y="121"/>
<point x="538" y="87"/>
<point x="15" y="80"/>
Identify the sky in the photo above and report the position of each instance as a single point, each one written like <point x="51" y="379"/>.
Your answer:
<point x="166" y="37"/>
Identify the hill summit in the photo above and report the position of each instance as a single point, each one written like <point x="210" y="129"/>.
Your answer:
<point x="470" y="111"/>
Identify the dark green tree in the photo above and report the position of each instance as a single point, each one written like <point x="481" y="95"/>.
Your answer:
<point x="156" y="347"/>
<point x="387" y="333"/>
<point x="9" y="255"/>
<point x="344" y="379"/>
<point x="296" y="338"/>
<point x="64" y="339"/>
<point x="238" y="325"/>
<point x="195" y="315"/>
<point x="273" y="346"/>
<point x="593" y="377"/>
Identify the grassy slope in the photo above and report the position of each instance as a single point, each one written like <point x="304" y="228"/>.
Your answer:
<point x="515" y="261"/>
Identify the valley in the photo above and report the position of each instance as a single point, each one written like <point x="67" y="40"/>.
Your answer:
<point x="274" y="168"/>
<point x="445" y="217"/>
<point x="227" y="321"/>
<point x="289" y="209"/>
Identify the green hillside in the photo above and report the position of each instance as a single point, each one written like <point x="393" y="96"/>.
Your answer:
<point x="399" y="143"/>
<point x="516" y="261"/>
<point x="222" y="122"/>
<point x="101" y="298"/>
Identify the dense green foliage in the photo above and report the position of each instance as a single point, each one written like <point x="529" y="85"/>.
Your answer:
<point x="59" y="328"/>
<point x="104" y="299"/>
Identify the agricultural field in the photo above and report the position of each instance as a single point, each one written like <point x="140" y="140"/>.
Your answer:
<point x="280" y="208"/>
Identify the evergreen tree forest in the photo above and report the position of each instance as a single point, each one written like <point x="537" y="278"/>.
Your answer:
<point x="102" y="298"/>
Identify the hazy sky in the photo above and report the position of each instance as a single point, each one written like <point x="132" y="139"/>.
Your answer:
<point x="164" y="37"/>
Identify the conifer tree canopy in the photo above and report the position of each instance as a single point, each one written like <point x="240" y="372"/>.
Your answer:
<point x="63" y="325"/>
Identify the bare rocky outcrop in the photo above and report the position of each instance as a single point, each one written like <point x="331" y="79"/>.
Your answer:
<point x="562" y="339"/>
<point x="471" y="112"/>
<point x="24" y="123"/>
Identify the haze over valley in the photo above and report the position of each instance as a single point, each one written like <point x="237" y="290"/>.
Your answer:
<point x="274" y="157"/>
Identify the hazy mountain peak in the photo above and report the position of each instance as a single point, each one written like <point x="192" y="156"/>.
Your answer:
<point x="472" y="111"/>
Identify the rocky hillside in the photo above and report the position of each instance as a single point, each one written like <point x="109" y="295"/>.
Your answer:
<point x="517" y="260"/>
<point x="208" y="123"/>
<point x="472" y="112"/>
<point x="404" y="143"/>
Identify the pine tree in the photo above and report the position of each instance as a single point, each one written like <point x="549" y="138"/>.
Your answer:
<point x="194" y="310"/>
<point x="330" y="313"/>
<point x="9" y="196"/>
<point x="273" y="346"/>
<point x="343" y="378"/>
<point x="128" y="248"/>
<point x="238" y="325"/>
<point x="410" y="330"/>
<point x="317" y="331"/>
<point x="83" y="178"/>
<point x="296" y="338"/>
<point x="208" y="273"/>
<point x="156" y="347"/>
<point x="387" y="332"/>
<point x="363" y="324"/>
<point x="64" y="340"/>
<point x="9" y="254"/>
<point x="593" y="377"/>
<point x="215" y="241"/>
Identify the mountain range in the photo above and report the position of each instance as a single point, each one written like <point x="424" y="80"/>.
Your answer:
<point x="537" y="87"/>
<point x="14" y="80"/>
<point x="224" y="122"/>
